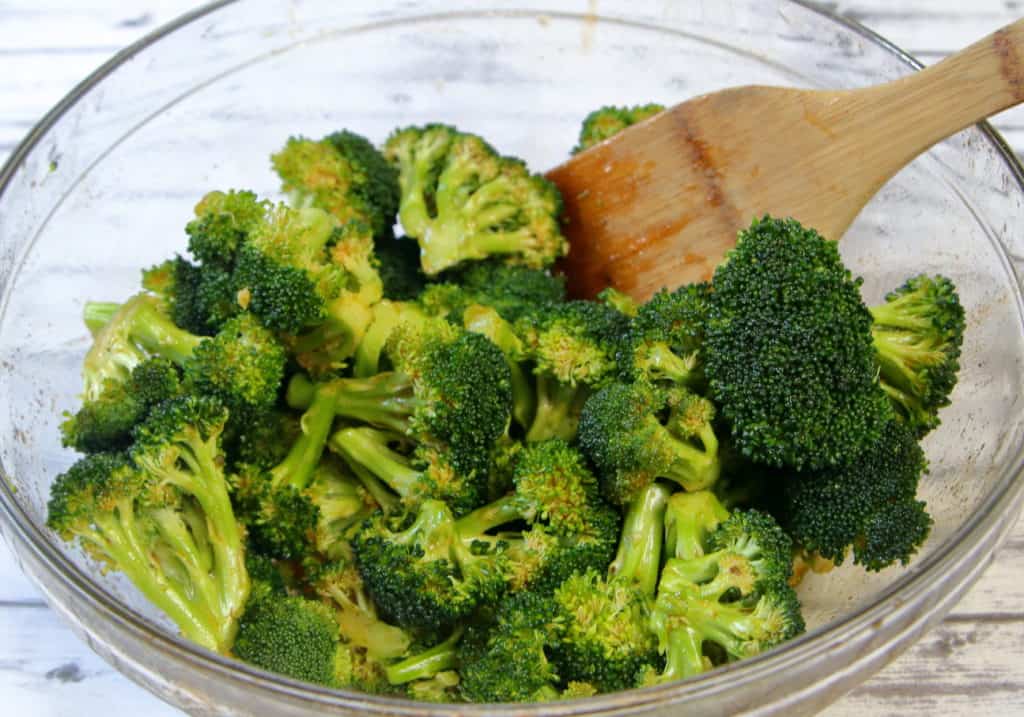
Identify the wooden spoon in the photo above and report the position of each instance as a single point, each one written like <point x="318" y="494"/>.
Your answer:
<point x="660" y="203"/>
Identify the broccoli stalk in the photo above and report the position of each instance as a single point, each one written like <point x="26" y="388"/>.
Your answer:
<point x="426" y="664"/>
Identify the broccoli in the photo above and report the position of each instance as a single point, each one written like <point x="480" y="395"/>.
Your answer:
<point x="419" y="572"/>
<point x="488" y="322"/>
<point x="636" y="433"/>
<point x="725" y="587"/>
<point x="603" y="123"/>
<point x="199" y="299"/>
<point x="623" y="303"/>
<point x="223" y="223"/>
<point x="162" y="516"/>
<point x="97" y="314"/>
<point x="869" y="505"/>
<point x="571" y="347"/>
<point x="664" y="342"/>
<point x="342" y="504"/>
<point x="386" y="316"/>
<point x="513" y="290"/>
<point x="295" y="637"/>
<point x="343" y="174"/>
<point x="106" y="423"/>
<point x="917" y="333"/>
<point x="427" y="664"/>
<point x="606" y="641"/>
<point x="569" y="526"/>
<point x="788" y="351"/>
<point x="505" y="658"/>
<point x="462" y="201"/>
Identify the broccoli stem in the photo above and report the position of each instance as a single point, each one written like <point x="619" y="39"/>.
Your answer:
<point x="385" y="400"/>
<point x="369" y="448"/>
<point x="895" y="314"/>
<point x="639" y="556"/>
<point x="692" y="468"/>
<point x="120" y="539"/>
<point x="557" y="411"/>
<point x="433" y="531"/>
<point x="426" y="664"/>
<point x="684" y="656"/>
<point x="384" y="497"/>
<point x="899" y="354"/>
<point x="159" y="335"/>
<point x="689" y="520"/>
<point x="97" y="314"/>
<point x="298" y="466"/>
<point x="502" y="511"/>
<point x="661" y="363"/>
<point x="723" y="623"/>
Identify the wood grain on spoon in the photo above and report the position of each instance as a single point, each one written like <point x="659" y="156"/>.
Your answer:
<point x="660" y="203"/>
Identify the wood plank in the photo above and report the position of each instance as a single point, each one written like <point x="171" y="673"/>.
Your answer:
<point x="959" y="668"/>
<point x="48" y="672"/>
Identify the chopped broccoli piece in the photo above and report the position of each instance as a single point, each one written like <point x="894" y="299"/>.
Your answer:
<point x="462" y="201"/>
<point x="918" y="332"/>
<point x="603" y="123"/>
<point x="789" y="355"/>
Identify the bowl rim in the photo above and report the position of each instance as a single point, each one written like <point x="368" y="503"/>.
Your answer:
<point x="1008" y="494"/>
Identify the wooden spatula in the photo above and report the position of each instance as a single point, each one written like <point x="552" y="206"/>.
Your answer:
<point x="660" y="204"/>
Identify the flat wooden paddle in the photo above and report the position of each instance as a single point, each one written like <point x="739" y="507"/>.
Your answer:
<point x="660" y="203"/>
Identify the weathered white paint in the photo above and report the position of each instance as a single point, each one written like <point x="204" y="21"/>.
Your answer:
<point x="971" y="664"/>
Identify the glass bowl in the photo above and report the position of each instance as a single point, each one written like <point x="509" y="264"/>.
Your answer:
<point x="107" y="180"/>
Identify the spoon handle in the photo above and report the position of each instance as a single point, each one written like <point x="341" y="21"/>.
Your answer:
<point x="895" y="122"/>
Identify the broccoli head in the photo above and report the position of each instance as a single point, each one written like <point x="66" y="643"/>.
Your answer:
<point x="222" y="225"/>
<point x="918" y="332"/>
<point x="463" y="201"/>
<point x="789" y="355"/>
<point x="603" y="123"/>
<point x="343" y="174"/>
<point x="636" y="433"/>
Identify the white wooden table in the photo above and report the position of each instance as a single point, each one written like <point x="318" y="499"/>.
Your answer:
<point x="973" y="663"/>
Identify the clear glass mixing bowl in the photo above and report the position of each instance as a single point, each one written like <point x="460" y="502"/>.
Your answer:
<point x="104" y="184"/>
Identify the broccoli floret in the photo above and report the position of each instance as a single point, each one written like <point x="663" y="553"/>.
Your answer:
<point x="789" y="356"/>
<point x="295" y="637"/>
<point x="420" y="573"/>
<point x="918" y="332"/>
<point x="343" y="174"/>
<point x="342" y="504"/>
<point x="571" y="348"/>
<point x="623" y="303"/>
<point x="569" y="529"/>
<point x="487" y="322"/>
<point x="870" y="505"/>
<point x="636" y="433"/>
<point x="601" y="124"/>
<point x="723" y="590"/>
<point x="505" y="659"/>
<point x="387" y="315"/>
<point x="106" y="423"/>
<point x="242" y="365"/>
<point x="606" y="640"/>
<point x="164" y="519"/>
<point x="513" y="290"/>
<point x="340" y="584"/>
<point x="462" y="201"/>
<point x="222" y="224"/>
<point x="665" y="339"/>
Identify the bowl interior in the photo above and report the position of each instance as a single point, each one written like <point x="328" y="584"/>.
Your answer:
<point x="108" y="187"/>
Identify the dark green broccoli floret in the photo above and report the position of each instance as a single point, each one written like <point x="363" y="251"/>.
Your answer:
<point x="164" y="519"/>
<point x="871" y="504"/>
<point x="462" y="201"/>
<point x="918" y="332"/>
<point x="505" y="659"/>
<point x="295" y="637"/>
<point x="789" y="355"/>
<point x="601" y="124"/>
<point x="665" y="339"/>
<point x="106" y="422"/>
<point x="343" y="174"/>
<point x="571" y="348"/>
<point x="513" y="290"/>
<point x="636" y="433"/>
<point x="420" y="573"/>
